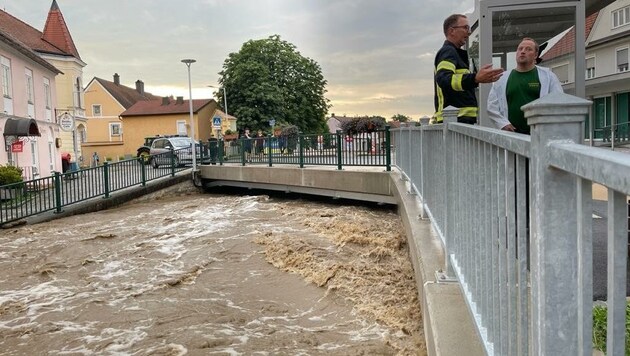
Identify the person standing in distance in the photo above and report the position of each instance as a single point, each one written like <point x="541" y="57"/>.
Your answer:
<point x="526" y="83"/>
<point x="454" y="83"/>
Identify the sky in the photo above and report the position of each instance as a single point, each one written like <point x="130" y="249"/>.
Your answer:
<point x="377" y="56"/>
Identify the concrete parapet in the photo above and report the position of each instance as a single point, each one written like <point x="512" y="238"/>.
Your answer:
<point x="448" y="324"/>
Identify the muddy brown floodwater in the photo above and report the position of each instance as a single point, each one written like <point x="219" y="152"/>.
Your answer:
<point x="186" y="273"/>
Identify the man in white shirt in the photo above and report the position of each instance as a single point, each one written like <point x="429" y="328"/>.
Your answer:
<point x="524" y="84"/>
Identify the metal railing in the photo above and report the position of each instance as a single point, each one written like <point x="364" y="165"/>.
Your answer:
<point x="514" y="214"/>
<point x="36" y="196"/>
<point x="363" y="149"/>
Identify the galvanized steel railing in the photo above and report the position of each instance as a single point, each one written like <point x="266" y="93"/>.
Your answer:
<point x="527" y="278"/>
<point x="40" y="195"/>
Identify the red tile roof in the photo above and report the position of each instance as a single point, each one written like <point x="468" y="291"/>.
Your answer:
<point x="156" y="107"/>
<point x="56" y="32"/>
<point x="566" y="44"/>
<point x="25" y="50"/>
<point x="34" y="39"/>
<point x="126" y="96"/>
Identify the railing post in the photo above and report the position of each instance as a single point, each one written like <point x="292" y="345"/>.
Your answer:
<point x="339" y="143"/>
<point x="143" y="167"/>
<point x="301" y="154"/>
<point x="106" y="178"/>
<point x="269" y="138"/>
<point x="243" y="154"/>
<point x="449" y="116"/>
<point x="57" y="192"/>
<point x="388" y="150"/>
<point x="220" y="150"/>
<point x="556" y="299"/>
<point x="173" y="163"/>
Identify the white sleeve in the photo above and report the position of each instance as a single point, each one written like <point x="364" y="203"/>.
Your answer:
<point x="494" y="108"/>
<point x="554" y="83"/>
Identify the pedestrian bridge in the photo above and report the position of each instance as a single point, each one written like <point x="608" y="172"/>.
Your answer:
<point x="499" y="226"/>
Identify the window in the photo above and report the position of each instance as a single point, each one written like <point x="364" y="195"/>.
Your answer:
<point x="6" y="77"/>
<point x="77" y="93"/>
<point x="590" y="68"/>
<point x="181" y="128"/>
<point x="621" y="17"/>
<point x="96" y="110"/>
<point x="562" y="72"/>
<point x="47" y="95"/>
<point x="622" y="60"/>
<point x="29" y="86"/>
<point x="115" y="129"/>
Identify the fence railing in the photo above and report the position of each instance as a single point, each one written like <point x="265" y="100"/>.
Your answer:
<point x="514" y="214"/>
<point x="36" y="196"/>
<point x="336" y="149"/>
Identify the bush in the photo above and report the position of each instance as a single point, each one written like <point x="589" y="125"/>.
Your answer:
<point x="10" y="174"/>
<point x="228" y="132"/>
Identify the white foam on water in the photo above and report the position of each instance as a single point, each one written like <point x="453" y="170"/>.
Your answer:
<point x="117" y="340"/>
<point x="168" y="349"/>
<point x="112" y="269"/>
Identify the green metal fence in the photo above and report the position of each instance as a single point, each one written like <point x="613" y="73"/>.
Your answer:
<point x="20" y="200"/>
<point x="338" y="149"/>
<point x="23" y="199"/>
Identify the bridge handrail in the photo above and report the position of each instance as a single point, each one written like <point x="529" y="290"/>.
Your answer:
<point x="527" y="280"/>
<point x="36" y="196"/>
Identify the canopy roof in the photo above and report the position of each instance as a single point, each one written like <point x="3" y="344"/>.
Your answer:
<point x="21" y="127"/>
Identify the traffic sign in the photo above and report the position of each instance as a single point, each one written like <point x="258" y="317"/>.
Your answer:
<point x="272" y="122"/>
<point x="216" y="122"/>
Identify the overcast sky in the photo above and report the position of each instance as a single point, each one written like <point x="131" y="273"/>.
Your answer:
<point x="376" y="55"/>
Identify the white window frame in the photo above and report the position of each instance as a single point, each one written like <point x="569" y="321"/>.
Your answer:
<point x="559" y="78"/>
<point x="590" y="71"/>
<point x="179" y="125"/>
<point x="30" y="93"/>
<point x="620" y="17"/>
<point x="94" y="107"/>
<point x="617" y="65"/>
<point x="7" y="88"/>
<point x="112" y="126"/>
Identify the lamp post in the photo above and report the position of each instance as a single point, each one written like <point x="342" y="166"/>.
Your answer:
<point x="224" y="97"/>
<point x="188" y="62"/>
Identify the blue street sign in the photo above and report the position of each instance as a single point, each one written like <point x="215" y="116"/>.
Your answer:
<point x="216" y="121"/>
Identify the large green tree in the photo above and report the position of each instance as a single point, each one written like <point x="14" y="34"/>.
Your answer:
<point x="269" y="79"/>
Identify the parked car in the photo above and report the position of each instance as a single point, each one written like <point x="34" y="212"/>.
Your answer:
<point x="161" y="148"/>
<point x="145" y="150"/>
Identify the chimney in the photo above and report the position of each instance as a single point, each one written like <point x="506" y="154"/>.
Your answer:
<point x="116" y="79"/>
<point x="140" y="86"/>
<point x="180" y="100"/>
<point x="166" y="101"/>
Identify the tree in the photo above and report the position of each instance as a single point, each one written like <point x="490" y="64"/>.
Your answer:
<point x="400" y="118"/>
<point x="269" y="79"/>
<point x="362" y="124"/>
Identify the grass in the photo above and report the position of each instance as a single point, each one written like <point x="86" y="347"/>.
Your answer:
<point x="599" y="328"/>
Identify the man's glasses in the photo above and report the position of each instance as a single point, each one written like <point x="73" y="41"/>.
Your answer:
<point x="466" y="27"/>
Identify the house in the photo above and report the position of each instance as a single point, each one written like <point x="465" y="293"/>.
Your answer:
<point x="606" y="70"/>
<point x="104" y="102"/>
<point x="55" y="45"/>
<point x="167" y="116"/>
<point x="334" y="122"/>
<point x="32" y="135"/>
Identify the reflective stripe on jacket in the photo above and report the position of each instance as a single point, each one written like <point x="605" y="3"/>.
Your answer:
<point x="454" y="83"/>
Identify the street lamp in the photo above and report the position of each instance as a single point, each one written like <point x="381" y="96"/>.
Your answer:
<point x="224" y="97"/>
<point x="188" y="62"/>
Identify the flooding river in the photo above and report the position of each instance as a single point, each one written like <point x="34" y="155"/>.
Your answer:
<point x="185" y="273"/>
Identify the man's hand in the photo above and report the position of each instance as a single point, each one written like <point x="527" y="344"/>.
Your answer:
<point x="508" y="127"/>
<point x="487" y="74"/>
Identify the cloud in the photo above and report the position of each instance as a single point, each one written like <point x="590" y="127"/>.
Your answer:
<point x="376" y="56"/>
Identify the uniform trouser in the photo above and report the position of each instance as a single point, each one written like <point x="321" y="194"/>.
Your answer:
<point x="467" y="120"/>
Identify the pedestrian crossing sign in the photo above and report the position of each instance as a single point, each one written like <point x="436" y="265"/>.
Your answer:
<point x="216" y="122"/>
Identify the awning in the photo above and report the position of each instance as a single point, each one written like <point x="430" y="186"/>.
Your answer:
<point x="21" y="127"/>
